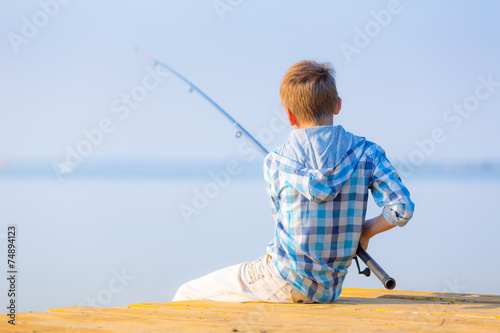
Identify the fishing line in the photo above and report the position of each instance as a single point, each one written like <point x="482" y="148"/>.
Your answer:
<point x="239" y="129"/>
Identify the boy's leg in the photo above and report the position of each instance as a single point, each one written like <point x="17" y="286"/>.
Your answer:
<point x="221" y="285"/>
<point x="247" y="282"/>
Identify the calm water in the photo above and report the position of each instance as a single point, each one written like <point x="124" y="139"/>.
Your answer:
<point x="115" y="242"/>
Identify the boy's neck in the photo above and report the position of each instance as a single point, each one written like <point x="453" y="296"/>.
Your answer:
<point x="327" y="122"/>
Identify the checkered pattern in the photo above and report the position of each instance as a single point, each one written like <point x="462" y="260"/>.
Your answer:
<point x="318" y="184"/>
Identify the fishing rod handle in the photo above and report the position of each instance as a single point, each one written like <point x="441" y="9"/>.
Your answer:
<point x="387" y="281"/>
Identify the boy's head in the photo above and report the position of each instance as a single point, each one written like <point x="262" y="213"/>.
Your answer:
<point x="309" y="94"/>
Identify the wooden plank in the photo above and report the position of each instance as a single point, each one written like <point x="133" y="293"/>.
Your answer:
<point x="450" y="297"/>
<point x="358" y="310"/>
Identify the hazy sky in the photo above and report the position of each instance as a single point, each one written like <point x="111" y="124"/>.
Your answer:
<point x="401" y="67"/>
<point x="420" y="78"/>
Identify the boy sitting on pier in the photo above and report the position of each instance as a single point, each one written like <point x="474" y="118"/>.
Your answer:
<point x="318" y="183"/>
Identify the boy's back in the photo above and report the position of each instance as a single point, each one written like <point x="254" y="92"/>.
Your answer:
<point x="318" y="182"/>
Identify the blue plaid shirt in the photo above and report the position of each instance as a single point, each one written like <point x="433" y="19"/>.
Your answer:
<point x="318" y="183"/>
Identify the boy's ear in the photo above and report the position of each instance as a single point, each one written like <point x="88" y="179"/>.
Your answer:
<point x="338" y="107"/>
<point x="291" y="117"/>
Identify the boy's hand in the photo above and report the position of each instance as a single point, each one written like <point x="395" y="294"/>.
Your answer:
<point x="372" y="227"/>
<point x="363" y="242"/>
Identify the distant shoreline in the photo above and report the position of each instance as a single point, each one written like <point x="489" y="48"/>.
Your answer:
<point x="183" y="169"/>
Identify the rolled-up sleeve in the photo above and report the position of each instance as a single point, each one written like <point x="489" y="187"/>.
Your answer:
<point x="389" y="191"/>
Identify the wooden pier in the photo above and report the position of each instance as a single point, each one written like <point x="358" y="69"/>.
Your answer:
<point x="357" y="310"/>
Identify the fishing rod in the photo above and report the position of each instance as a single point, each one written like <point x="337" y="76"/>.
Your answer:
<point x="388" y="282"/>
<point x="192" y="86"/>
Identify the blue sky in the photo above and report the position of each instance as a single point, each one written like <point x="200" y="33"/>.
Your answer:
<point x="401" y="87"/>
<point x="396" y="89"/>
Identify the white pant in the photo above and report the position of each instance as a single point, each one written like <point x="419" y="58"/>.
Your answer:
<point x="255" y="281"/>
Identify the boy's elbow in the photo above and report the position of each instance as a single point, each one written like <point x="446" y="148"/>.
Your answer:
<point x="399" y="214"/>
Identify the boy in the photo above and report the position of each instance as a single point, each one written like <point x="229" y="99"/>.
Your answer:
<point x="318" y="183"/>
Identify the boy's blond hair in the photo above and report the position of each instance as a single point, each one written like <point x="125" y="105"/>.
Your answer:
<point x="308" y="90"/>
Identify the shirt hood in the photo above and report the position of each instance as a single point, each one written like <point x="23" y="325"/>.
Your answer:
<point x="316" y="161"/>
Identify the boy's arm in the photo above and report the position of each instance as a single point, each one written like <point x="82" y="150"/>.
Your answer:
<point x="372" y="227"/>
<point x="388" y="191"/>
